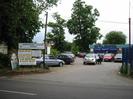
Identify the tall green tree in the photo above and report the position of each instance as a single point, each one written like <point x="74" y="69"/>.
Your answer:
<point x="115" y="37"/>
<point x="19" y="20"/>
<point x="82" y="24"/>
<point x="67" y="46"/>
<point x="57" y="33"/>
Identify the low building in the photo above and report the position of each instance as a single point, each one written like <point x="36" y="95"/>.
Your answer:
<point x="3" y="49"/>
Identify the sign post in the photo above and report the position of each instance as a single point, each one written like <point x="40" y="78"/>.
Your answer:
<point x="28" y="51"/>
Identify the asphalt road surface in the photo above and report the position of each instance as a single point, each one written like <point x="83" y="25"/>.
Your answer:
<point x="76" y="81"/>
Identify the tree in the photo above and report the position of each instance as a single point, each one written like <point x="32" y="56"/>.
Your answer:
<point x="82" y="24"/>
<point x="19" y="20"/>
<point x="67" y="46"/>
<point x="57" y="33"/>
<point x="115" y="37"/>
<point x="74" y="48"/>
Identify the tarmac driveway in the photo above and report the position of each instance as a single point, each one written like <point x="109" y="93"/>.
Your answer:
<point x="105" y="74"/>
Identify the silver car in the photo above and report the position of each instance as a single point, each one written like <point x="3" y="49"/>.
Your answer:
<point x="50" y="61"/>
<point x="118" y="58"/>
<point x="90" y="58"/>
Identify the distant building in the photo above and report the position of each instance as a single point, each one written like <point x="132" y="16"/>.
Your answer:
<point x="107" y="48"/>
<point x="3" y="49"/>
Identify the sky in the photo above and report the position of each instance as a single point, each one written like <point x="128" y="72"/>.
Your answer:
<point x="114" y="15"/>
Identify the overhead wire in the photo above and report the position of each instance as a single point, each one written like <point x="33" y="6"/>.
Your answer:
<point x="114" y="22"/>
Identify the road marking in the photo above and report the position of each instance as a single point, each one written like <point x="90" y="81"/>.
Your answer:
<point x="18" y="92"/>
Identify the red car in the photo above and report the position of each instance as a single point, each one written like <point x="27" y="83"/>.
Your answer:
<point x="108" y="57"/>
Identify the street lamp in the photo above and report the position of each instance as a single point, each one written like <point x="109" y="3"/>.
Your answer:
<point x="45" y="50"/>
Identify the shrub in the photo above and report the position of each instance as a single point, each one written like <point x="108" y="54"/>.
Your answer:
<point x="54" y="52"/>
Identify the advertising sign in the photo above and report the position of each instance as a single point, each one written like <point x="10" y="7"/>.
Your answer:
<point x="36" y="53"/>
<point x="110" y="48"/>
<point x="25" y="57"/>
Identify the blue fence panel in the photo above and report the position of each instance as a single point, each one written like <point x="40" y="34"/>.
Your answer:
<point x="125" y="57"/>
<point x="132" y="57"/>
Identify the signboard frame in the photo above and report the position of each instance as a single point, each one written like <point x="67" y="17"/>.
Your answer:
<point x="31" y="46"/>
<point x="28" y="51"/>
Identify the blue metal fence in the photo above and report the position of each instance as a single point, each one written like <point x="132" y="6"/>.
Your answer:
<point x="131" y="59"/>
<point x="127" y="57"/>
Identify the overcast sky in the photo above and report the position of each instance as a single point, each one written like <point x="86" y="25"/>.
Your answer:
<point x="114" y="15"/>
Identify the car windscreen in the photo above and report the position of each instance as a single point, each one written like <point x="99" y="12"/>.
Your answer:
<point x="107" y="55"/>
<point x="118" y="55"/>
<point x="90" y="55"/>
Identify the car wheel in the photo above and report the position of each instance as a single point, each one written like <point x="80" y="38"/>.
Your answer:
<point x="41" y="65"/>
<point x="69" y="62"/>
<point x="61" y="64"/>
<point x="84" y="63"/>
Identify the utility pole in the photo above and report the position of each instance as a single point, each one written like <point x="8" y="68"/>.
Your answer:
<point x="129" y="66"/>
<point x="129" y="23"/>
<point x="45" y="46"/>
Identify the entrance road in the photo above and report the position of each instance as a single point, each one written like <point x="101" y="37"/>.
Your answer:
<point x="105" y="74"/>
<point x="75" y="81"/>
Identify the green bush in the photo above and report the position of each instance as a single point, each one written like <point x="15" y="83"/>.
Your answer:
<point x="124" y="69"/>
<point x="54" y="52"/>
<point x="75" y="49"/>
<point x="4" y="60"/>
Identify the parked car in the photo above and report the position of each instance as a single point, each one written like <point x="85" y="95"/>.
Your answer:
<point x="81" y="54"/>
<point x="90" y="59"/>
<point x="69" y="54"/>
<point x="50" y="61"/>
<point x="108" y="57"/>
<point x="118" y="58"/>
<point x="68" y="59"/>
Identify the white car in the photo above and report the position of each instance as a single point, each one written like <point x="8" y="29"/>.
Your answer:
<point x="118" y="58"/>
<point x="90" y="58"/>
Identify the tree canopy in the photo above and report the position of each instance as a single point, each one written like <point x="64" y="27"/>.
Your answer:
<point x="57" y="33"/>
<point x="82" y="24"/>
<point x="115" y="37"/>
<point x="19" y="20"/>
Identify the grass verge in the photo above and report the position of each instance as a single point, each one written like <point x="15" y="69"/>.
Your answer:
<point x="22" y="71"/>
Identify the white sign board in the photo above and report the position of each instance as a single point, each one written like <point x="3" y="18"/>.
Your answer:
<point x="25" y="57"/>
<point x="31" y="46"/>
<point x="36" y="53"/>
